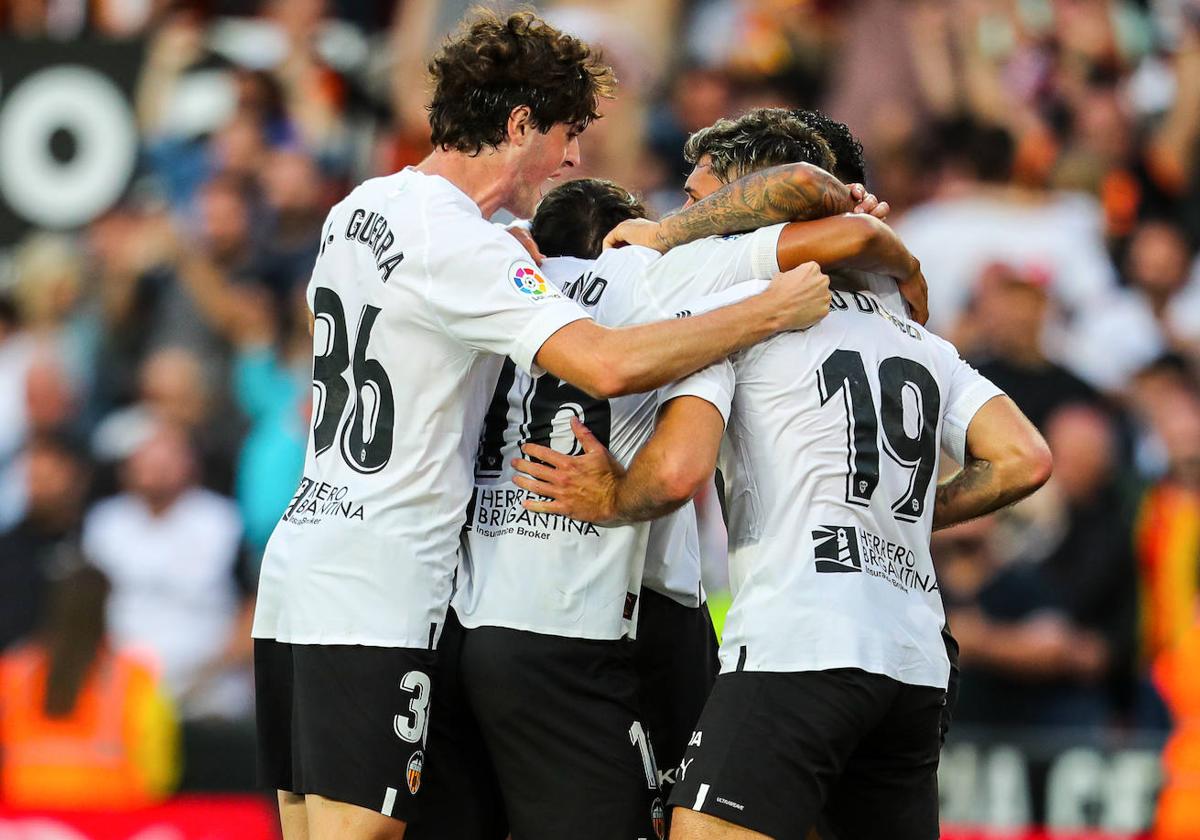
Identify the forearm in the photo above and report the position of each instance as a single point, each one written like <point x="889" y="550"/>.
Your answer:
<point x="795" y="192"/>
<point x="848" y="241"/>
<point x="976" y="490"/>
<point x="648" y="356"/>
<point x="642" y="496"/>
<point x="675" y="464"/>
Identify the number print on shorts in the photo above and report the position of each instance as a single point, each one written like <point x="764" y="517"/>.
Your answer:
<point x="413" y="726"/>
<point x="900" y="380"/>
<point x="637" y="736"/>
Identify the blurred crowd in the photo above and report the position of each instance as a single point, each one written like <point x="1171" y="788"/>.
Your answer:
<point x="1043" y="161"/>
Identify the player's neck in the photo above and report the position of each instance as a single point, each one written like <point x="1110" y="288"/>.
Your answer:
<point x="483" y="177"/>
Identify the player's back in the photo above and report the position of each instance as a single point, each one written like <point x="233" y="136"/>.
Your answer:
<point x="542" y="572"/>
<point x="830" y="463"/>
<point x="412" y="307"/>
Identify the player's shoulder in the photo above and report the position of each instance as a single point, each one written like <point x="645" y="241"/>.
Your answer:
<point x="623" y="260"/>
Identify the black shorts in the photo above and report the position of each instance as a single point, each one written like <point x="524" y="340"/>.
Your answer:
<point x="773" y="752"/>
<point x="676" y="658"/>
<point x="538" y="735"/>
<point x="347" y="722"/>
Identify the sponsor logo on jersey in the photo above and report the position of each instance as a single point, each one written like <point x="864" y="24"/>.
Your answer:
<point x="837" y="549"/>
<point x="497" y="512"/>
<point x="527" y="280"/>
<point x="416" y="763"/>
<point x="315" y="500"/>
<point x="658" y="818"/>
<point x="302" y="491"/>
<point x="843" y="548"/>
<point x="697" y="738"/>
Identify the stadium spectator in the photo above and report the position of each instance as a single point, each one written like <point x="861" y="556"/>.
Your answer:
<point x="1024" y="662"/>
<point x="1157" y="312"/>
<point x="273" y="385"/>
<point x="83" y="724"/>
<point x="979" y="215"/>
<point x="57" y="475"/>
<point x="51" y="295"/>
<point x="1002" y="332"/>
<point x="171" y="550"/>
<point x="1167" y="538"/>
<point x="173" y="386"/>
<point x="1177" y="674"/>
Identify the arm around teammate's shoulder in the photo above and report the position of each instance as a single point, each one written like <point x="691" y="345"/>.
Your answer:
<point x="628" y="360"/>
<point x="856" y="241"/>
<point x="1006" y="460"/>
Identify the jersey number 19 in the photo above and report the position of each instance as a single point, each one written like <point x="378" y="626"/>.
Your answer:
<point x="844" y="372"/>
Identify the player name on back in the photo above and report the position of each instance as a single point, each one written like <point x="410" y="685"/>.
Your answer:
<point x="371" y="229"/>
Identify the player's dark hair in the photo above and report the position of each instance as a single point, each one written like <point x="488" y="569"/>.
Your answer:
<point x="850" y="166"/>
<point x="759" y="138"/>
<point x="494" y="64"/>
<point x="573" y="218"/>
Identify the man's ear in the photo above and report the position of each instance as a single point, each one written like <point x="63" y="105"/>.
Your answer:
<point x="520" y="125"/>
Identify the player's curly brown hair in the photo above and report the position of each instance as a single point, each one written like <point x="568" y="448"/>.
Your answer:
<point x="495" y="64"/>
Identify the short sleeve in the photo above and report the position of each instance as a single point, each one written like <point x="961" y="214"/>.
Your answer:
<point x="488" y="294"/>
<point x="968" y="391"/>
<point x="764" y="251"/>
<point x="711" y="265"/>
<point x="728" y="297"/>
<point x="714" y="384"/>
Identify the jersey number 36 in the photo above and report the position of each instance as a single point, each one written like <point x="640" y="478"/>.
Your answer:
<point x="366" y="435"/>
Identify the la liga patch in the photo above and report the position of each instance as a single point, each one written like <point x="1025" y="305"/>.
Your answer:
<point x="529" y="282"/>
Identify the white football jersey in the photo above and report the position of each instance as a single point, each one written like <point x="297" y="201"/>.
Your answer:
<point x="416" y="300"/>
<point x="676" y="282"/>
<point x="551" y="574"/>
<point x="830" y="459"/>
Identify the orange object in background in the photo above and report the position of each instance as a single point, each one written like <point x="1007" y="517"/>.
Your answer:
<point x="94" y="757"/>
<point x="81" y="725"/>
<point x="1177" y="674"/>
<point x="1167" y="542"/>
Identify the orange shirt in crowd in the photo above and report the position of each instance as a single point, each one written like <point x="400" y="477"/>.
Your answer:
<point x="117" y="749"/>
<point x="1167" y="541"/>
<point x="1177" y="674"/>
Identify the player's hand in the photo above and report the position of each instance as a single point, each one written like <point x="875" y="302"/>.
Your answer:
<point x="799" y="297"/>
<point x="581" y="487"/>
<point x="915" y="291"/>
<point x="526" y="239"/>
<point x="868" y="203"/>
<point x="635" y="232"/>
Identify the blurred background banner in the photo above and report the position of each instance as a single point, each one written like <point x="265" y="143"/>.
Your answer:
<point x="186" y="818"/>
<point x="68" y="135"/>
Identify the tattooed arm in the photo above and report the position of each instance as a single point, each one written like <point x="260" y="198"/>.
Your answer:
<point x="1007" y="459"/>
<point x="793" y="192"/>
